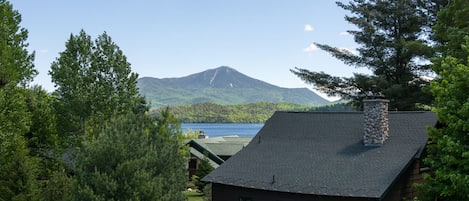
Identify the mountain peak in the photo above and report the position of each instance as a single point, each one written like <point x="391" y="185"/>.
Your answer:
<point x="225" y="77"/>
<point x="222" y="85"/>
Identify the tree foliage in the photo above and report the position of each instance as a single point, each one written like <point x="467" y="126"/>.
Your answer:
<point x="448" y="148"/>
<point x="391" y="36"/>
<point x="215" y="113"/>
<point x="94" y="82"/>
<point x="451" y="28"/>
<point x="18" y="169"/>
<point x="245" y="113"/>
<point x="134" y="157"/>
<point x="449" y="144"/>
<point x="203" y="169"/>
<point x="42" y="137"/>
<point x="16" y="62"/>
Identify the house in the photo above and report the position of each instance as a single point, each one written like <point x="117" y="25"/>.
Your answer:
<point x="216" y="150"/>
<point x="350" y="156"/>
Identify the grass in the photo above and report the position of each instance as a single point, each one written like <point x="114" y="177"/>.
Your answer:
<point x="194" y="196"/>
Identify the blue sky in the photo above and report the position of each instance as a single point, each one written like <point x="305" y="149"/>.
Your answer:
<point x="260" y="38"/>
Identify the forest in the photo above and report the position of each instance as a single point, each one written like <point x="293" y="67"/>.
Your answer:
<point x="243" y="113"/>
<point x="94" y="138"/>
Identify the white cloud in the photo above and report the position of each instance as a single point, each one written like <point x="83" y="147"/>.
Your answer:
<point x="311" y="48"/>
<point x="344" y="33"/>
<point x="309" y="27"/>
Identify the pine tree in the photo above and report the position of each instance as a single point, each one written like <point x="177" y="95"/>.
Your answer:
<point x="203" y="169"/>
<point x="391" y="38"/>
<point x="18" y="170"/>
<point x="135" y="157"/>
<point x="451" y="28"/>
<point x="16" y="63"/>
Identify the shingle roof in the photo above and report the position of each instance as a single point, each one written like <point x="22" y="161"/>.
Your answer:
<point x="217" y="146"/>
<point x="323" y="154"/>
<point x="226" y="145"/>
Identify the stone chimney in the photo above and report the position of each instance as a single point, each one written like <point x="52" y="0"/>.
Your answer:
<point x="376" y="121"/>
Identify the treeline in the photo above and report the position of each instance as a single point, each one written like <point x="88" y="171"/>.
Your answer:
<point x="244" y="113"/>
<point x="91" y="139"/>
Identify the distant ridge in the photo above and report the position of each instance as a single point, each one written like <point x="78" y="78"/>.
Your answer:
<point x="222" y="85"/>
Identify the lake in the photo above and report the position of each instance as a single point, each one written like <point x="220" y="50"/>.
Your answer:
<point x="223" y="129"/>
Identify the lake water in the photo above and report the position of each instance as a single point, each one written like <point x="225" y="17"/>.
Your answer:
<point x="223" y="129"/>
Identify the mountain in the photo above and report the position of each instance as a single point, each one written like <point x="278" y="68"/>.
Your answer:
<point x="223" y="85"/>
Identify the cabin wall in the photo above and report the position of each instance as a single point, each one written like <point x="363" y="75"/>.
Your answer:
<point x="404" y="188"/>
<point x="222" y="192"/>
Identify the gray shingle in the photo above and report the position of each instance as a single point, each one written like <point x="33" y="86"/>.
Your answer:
<point x="323" y="154"/>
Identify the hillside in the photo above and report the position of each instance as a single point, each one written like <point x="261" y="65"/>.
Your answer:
<point x="246" y="113"/>
<point x="222" y="85"/>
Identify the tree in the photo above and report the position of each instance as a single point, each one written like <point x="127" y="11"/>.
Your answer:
<point x="42" y="136"/>
<point x="391" y="35"/>
<point x="448" y="146"/>
<point x="451" y="28"/>
<point x="448" y="150"/>
<point x="18" y="170"/>
<point x="16" y="63"/>
<point x="203" y="169"/>
<point x="43" y="143"/>
<point x="94" y="82"/>
<point x="134" y="157"/>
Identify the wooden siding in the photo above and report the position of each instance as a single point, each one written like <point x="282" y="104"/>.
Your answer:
<point x="401" y="190"/>
<point x="222" y="192"/>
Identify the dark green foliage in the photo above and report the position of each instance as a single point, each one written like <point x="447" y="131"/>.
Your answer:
<point x="203" y="169"/>
<point x="42" y="138"/>
<point x="94" y="82"/>
<point x="246" y="113"/>
<point x="208" y="192"/>
<point x="391" y="46"/>
<point x="134" y="157"/>
<point x="451" y="28"/>
<point x="448" y="147"/>
<point x="44" y="144"/>
<point x="16" y="64"/>
<point x="59" y="186"/>
<point x="18" y="169"/>
<point x="339" y="107"/>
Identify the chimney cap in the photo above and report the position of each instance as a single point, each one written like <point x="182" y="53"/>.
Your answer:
<point x="376" y="100"/>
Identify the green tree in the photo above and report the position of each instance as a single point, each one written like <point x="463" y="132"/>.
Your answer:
<point x="448" y="146"/>
<point x="68" y="73"/>
<point x="391" y="35"/>
<point x="451" y="28"/>
<point x="42" y="136"/>
<point x="94" y="82"/>
<point x="203" y="169"/>
<point x="43" y="143"/>
<point x="16" y="63"/>
<point x="448" y="152"/>
<point x="134" y="157"/>
<point x="18" y="170"/>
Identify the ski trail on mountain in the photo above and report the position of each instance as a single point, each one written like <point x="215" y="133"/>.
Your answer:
<point x="213" y="77"/>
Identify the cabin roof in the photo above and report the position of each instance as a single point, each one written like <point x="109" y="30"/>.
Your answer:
<point x="322" y="153"/>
